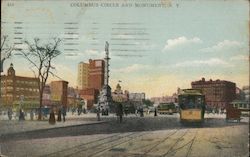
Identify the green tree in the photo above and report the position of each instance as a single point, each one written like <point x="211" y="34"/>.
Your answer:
<point x="147" y="102"/>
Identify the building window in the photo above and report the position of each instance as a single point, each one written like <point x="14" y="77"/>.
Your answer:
<point x="245" y="105"/>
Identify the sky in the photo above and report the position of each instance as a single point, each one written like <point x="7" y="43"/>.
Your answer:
<point x="153" y="49"/>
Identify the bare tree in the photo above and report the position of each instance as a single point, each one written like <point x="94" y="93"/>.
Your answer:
<point x="5" y="53"/>
<point x="40" y="56"/>
<point x="6" y="50"/>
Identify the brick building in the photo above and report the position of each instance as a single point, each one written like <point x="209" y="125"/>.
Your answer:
<point x="59" y="92"/>
<point x="90" y="95"/>
<point x="15" y="89"/>
<point x="90" y="80"/>
<point x="96" y="74"/>
<point x="218" y="93"/>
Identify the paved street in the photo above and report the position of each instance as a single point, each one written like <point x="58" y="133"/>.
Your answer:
<point x="135" y="136"/>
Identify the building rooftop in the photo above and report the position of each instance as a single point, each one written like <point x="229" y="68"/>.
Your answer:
<point x="203" y="81"/>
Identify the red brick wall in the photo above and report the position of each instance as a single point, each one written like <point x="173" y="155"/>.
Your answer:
<point x="91" y="95"/>
<point x="217" y="93"/>
<point x="96" y="74"/>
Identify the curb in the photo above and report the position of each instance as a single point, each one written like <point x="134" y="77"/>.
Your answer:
<point x="54" y="128"/>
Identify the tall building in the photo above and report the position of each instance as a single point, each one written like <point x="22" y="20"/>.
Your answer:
<point x="90" y="80"/>
<point x="218" y="93"/>
<point x="83" y="75"/>
<point x="17" y="90"/>
<point x="96" y="74"/>
<point x="59" y="92"/>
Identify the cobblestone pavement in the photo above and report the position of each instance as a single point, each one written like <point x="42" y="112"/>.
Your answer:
<point x="135" y="136"/>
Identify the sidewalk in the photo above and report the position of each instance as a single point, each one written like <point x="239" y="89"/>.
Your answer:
<point x="15" y="126"/>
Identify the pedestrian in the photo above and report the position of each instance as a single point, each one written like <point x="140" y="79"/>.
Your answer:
<point x="98" y="113"/>
<point x="21" y="115"/>
<point x="141" y="112"/>
<point x="103" y="112"/>
<point x="79" y="110"/>
<point x="59" y="115"/>
<point x="52" y="119"/>
<point x="63" y="113"/>
<point x="10" y="113"/>
<point x="126" y="111"/>
<point x="155" y="112"/>
<point x="120" y="112"/>
<point x="72" y="111"/>
<point x="31" y="114"/>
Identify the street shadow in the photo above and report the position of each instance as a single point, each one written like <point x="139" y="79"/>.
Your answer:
<point x="112" y="125"/>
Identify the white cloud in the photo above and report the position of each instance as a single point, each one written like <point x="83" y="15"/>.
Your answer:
<point x="223" y="46"/>
<point x="131" y="68"/>
<point x="173" y="43"/>
<point x="239" y="58"/>
<point x="210" y="62"/>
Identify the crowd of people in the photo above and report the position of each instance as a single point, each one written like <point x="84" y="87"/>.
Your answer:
<point x="32" y="114"/>
<point x="59" y="113"/>
<point x="19" y="114"/>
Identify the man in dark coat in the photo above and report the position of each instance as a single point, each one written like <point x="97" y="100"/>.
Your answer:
<point x="120" y="111"/>
<point x="21" y="115"/>
<point x="52" y="119"/>
<point x="63" y="113"/>
<point x="155" y="112"/>
<point x="10" y="113"/>
<point x="59" y="115"/>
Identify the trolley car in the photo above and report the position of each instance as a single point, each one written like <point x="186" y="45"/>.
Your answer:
<point x="166" y="108"/>
<point x="192" y="105"/>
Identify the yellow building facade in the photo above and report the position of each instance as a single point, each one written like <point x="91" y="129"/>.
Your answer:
<point x="83" y="75"/>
